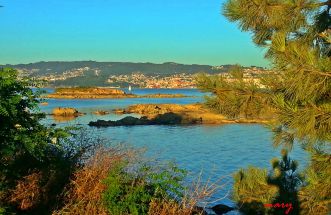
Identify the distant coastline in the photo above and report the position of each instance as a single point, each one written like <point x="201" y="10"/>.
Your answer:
<point x="122" y="74"/>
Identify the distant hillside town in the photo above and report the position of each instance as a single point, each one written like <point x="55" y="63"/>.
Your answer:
<point x="119" y="75"/>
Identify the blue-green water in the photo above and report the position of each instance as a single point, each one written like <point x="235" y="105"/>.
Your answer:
<point x="217" y="150"/>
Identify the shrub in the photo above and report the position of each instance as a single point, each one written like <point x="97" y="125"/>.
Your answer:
<point x="131" y="192"/>
<point x="27" y="192"/>
<point x="84" y="193"/>
<point x="255" y="187"/>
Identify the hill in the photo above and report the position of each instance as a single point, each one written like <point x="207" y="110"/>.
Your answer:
<point x="92" y="73"/>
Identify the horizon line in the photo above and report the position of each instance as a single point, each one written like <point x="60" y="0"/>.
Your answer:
<point x="135" y="62"/>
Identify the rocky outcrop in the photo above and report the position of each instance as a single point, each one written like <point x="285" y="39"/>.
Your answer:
<point x="191" y="114"/>
<point x="221" y="209"/>
<point x="154" y="109"/>
<point x="59" y="111"/>
<point x="65" y="114"/>
<point x="160" y="119"/>
<point x="100" y="112"/>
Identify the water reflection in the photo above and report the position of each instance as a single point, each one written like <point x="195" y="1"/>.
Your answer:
<point x="59" y="118"/>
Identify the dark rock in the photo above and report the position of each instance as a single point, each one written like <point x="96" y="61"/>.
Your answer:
<point x="161" y="119"/>
<point x="167" y="119"/>
<point x="129" y="120"/>
<point x="221" y="209"/>
<point x="102" y="123"/>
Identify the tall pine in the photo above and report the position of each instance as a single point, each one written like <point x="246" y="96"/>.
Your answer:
<point x="296" y="35"/>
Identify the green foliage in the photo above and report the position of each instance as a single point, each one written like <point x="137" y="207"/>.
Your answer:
<point x="254" y="187"/>
<point x="234" y="96"/>
<point x="21" y="134"/>
<point x="296" y="35"/>
<point x="2" y="211"/>
<point x="27" y="147"/>
<point x="126" y="195"/>
<point x="297" y="38"/>
<point x="315" y="195"/>
<point x="251" y="185"/>
<point x="130" y="193"/>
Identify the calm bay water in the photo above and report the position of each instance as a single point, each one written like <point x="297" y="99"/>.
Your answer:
<point x="217" y="150"/>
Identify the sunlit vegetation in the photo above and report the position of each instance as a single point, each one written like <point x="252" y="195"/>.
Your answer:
<point x="236" y="97"/>
<point x="296" y="38"/>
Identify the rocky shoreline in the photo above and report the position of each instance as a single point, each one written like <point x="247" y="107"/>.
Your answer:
<point x="170" y="114"/>
<point x="156" y="114"/>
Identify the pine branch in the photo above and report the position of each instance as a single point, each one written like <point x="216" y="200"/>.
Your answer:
<point x="320" y="73"/>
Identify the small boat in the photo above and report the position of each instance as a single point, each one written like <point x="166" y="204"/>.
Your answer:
<point x="130" y="88"/>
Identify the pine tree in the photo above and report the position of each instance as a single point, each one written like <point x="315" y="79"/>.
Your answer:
<point x="297" y="38"/>
<point x="255" y="187"/>
<point x="235" y="96"/>
<point x="296" y="35"/>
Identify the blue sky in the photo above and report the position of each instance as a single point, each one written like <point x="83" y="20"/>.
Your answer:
<point x="183" y="31"/>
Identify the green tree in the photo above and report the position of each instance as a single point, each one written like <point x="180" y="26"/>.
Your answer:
<point x="22" y="136"/>
<point x="36" y="161"/>
<point x="296" y="36"/>
<point x="235" y="96"/>
<point x="255" y="187"/>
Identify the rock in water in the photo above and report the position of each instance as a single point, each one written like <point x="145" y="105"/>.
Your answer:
<point x="221" y="209"/>
<point x="101" y="112"/>
<point x="59" y="111"/>
<point x="129" y="120"/>
<point x="168" y="119"/>
<point x="161" y="119"/>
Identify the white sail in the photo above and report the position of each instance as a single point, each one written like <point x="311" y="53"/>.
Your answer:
<point x="129" y="87"/>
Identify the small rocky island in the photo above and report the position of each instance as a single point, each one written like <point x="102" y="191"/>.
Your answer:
<point x="64" y="114"/>
<point x="102" y="93"/>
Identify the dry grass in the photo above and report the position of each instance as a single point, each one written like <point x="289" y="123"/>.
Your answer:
<point x="27" y="192"/>
<point x="85" y="193"/>
<point x="198" y="194"/>
<point x="167" y="207"/>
